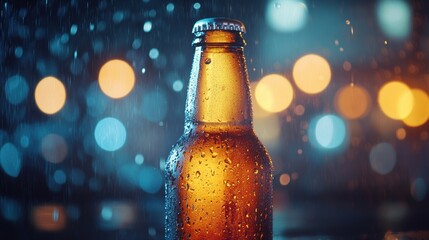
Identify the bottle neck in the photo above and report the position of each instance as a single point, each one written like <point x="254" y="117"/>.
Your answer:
<point x="218" y="92"/>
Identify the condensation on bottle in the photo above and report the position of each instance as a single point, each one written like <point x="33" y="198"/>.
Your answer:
<point x="218" y="180"/>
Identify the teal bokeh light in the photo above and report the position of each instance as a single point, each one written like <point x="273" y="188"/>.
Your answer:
<point x="16" y="89"/>
<point x="327" y="132"/>
<point x="286" y="15"/>
<point x="10" y="160"/>
<point x="110" y="134"/>
<point x="394" y="18"/>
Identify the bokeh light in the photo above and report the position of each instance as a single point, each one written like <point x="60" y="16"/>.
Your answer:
<point x="286" y="15"/>
<point x="197" y="6"/>
<point x="328" y="131"/>
<point x="150" y="180"/>
<point x="10" y="160"/>
<point x="268" y="129"/>
<point x="420" y="111"/>
<point x="394" y="18"/>
<point x="110" y="134"/>
<point x="258" y="111"/>
<point x="49" y="218"/>
<point x="16" y="89"/>
<point x="54" y="148"/>
<point x="352" y="102"/>
<point x="50" y="95"/>
<point x="116" y="215"/>
<point x="10" y="209"/>
<point x="418" y="189"/>
<point x="147" y="26"/>
<point x="139" y="159"/>
<point x="312" y="73"/>
<point x="177" y="85"/>
<point x="116" y="78"/>
<point x="401" y="133"/>
<point x="396" y="100"/>
<point x="274" y="93"/>
<point x="154" y="53"/>
<point x="284" y="179"/>
<point x="60" y="176"/>
<point x="382" y="158"/>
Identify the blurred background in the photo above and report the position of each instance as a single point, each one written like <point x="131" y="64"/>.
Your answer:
<point x="93" y="94"/>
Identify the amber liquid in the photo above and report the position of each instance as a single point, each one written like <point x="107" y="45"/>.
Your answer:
<point x="218" y="176"/>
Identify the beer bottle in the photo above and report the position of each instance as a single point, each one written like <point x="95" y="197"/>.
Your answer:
<point x="218" y="176"/>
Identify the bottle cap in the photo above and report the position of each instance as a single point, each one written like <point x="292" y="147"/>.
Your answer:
<point x="209" y="24"/>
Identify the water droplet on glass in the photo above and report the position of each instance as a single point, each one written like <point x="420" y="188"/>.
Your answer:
<point x="208" y="61"/>
<point x="203" y="154"/>
<point x="227" y="161"/>
<point x="277" y="4"/>
<point x="198" y="174"/>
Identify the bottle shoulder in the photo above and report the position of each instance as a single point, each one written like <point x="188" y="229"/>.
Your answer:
<point x="229" y="142"/>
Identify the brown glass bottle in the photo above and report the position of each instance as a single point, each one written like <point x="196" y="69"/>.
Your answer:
<point x="218" y="176"/>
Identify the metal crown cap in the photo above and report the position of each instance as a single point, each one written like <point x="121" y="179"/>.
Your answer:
<point x="209" y="24"/>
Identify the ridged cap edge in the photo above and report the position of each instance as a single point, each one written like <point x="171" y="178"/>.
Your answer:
<point x="209" y="24"/>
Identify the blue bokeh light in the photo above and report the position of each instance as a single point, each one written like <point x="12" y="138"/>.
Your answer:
<point x="10" y="160"/>
<point x="170" y="7"/>
<point x="286" y="15"/>
<point x="16" y="89"/>
<point x="10" y="209"/>
<point x="116" y="215"/>
<point x="177" y="85"/>
<point x="147" y="26"/>
<point x="153" y="53"/>
<point x="382" y="158"/>
<point x="60" y="177"/>
<point x="106" y="213"/>
<point x="110" y="134"/>
<point x="328" y="132"/>
<point x="19" y="52"/>
<point x="73" y="29"/>
<point x="150" y="180"/>
<point x="418" y="189"/>
<point x="394" y="18"/>
<point x="139" y="159"/>
<point x="197" y="6"/>
<point x="118" y="16"/>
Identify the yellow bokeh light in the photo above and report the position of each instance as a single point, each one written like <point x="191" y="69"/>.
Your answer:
<point x="258" y="112"/>
<point x="50" y="95"/>
<point x="312" y="73"/>
<point x="420" y="111"/>
<point x="274" y="93"/>
<point x="352" y="102"/>
<point x="116" y="78"/>
<point x="396" y="100"/>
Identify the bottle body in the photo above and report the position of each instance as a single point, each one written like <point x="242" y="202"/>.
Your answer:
<point x="219" y="186"/>
<point x="218" y="180"/>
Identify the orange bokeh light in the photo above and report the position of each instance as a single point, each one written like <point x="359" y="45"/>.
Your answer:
<point x="116" y="78"/>
<point x="50" y="95"/>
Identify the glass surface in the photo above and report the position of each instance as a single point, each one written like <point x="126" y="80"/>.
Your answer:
<point x="92" y="97"/>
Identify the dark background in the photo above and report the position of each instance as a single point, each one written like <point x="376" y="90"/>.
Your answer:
<point x="332" y="193"/>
